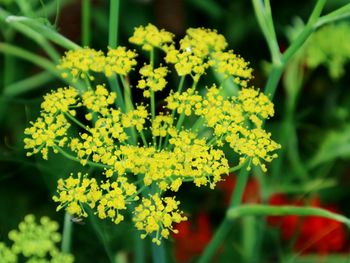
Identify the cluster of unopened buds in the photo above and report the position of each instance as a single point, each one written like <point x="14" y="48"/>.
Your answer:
<point x="34" y="242"/>
<point x="146" y="152"/>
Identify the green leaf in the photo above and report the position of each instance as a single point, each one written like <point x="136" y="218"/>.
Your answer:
<point x="335" y="145"/>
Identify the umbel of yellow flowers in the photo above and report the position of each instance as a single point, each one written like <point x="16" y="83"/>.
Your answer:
<point x="145" y="156"/>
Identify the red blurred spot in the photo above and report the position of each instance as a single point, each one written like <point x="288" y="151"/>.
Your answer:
<point x="192" y="238"/>
<point x="251" y="192"/>
<point x="312" y="234"/>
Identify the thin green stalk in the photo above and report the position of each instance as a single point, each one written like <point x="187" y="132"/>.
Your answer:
<point x="180" y="121"/>
<point x="236" y="168"/>
<point x="38" y="38"/>
<point x="113" y="83"/>
<point x="225" y="226"/>
<point x="129" y="106"/>
<point x="73" y="158"/>
<point x="153" y="105"/>
<point x="179" y="89"/>
<point x="139" y="249"/>
<point x="67" y="233"/>
<point x="46" y="31"/>
<point x="27" y="84"/>
<point x="248" y="238"/>
<point x="9" y="72"/>
<point x="264" y="17"/>
<point x="277" y="69"/>
<point x="158" y="253"/>
<point x="52" y="8"/>
<point x="152" y="97"/>
<point x="113" y="23"/>
<point x="24" y="54"/>
<point x="264" y="210"/>
<point x="86" y="16"/>
<point x="143" y="138"/>
<point x="36" y="60"/>
<point x="341" y="13"/>
<point x="75" y="121"/>
<point x="198" y="124"/>
<point x="101" y="234"/>
<point x="127" y="94"/>
<point x="181" y="84"/>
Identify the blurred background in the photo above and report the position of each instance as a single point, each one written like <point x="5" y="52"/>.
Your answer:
<point x="312" y="108"/>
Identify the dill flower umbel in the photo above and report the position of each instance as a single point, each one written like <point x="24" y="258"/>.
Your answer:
<point x="143" y="155"/>
<point x="35" y="242"/>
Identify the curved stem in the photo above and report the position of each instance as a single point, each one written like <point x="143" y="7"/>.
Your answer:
<point x="73" y="158"/>
<point x="263" y="210"/>
<point x="75" y="121"/>
<point x="277" y="69"/>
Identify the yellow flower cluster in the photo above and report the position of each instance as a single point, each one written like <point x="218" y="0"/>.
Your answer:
<point x="46" y="132"/>
<point x="136" y="118"/>
<point x="60" y="101"/>
<point x="203" y="48"/>
<point x="232" y="65"/>
<point x="172" y="152"/>
<point x="80" y="63"/>
<point x="238" y="120"/>
<point x="162" y="125"/>
<point x="186" y="102"/>
<point x="153" y="79"/>
<point x="202" y="41"/>
<point x="156" y="215"/>
<point x="150" y="37"/>
<point x="76" y="192"/>
<point x="34" y="242"/>
<point x="108" y="198"/>
<point x="98" y="100"/>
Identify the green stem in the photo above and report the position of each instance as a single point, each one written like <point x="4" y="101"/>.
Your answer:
<point x="35" y="59"/>
<point x="264" y="17"/>
<point x="73" y="158"/>
<point x="179" y="89"/>
<point x="75" y="121"/>
<point x="113" y="23"/>
<point x="47" y="32"/>
<point x="341" y="13"/>
<point x="273" y="80"/>
<point x="86" y="14"/>
<point x="129" y="106"/>
<point x="38" y="38"/>
<point x="153" y="105"/>
<point x="236" y="168"/>
<point x="139" y="249"/>
<point x="158" y="253"/>
<point x="226" y="225"/>
<point x="143" y="138"/>
<point x="113" y="83"/>
<point x="181" y="84"/>
<point x="180" y="121"/>
<point x="218" y="238"/>
<point x="264" y="210"/>
<point x="27" y="84"/>
<point x="277" y="69"/>
<point x="67" y="233"/>
<point x="127" y="95"/>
